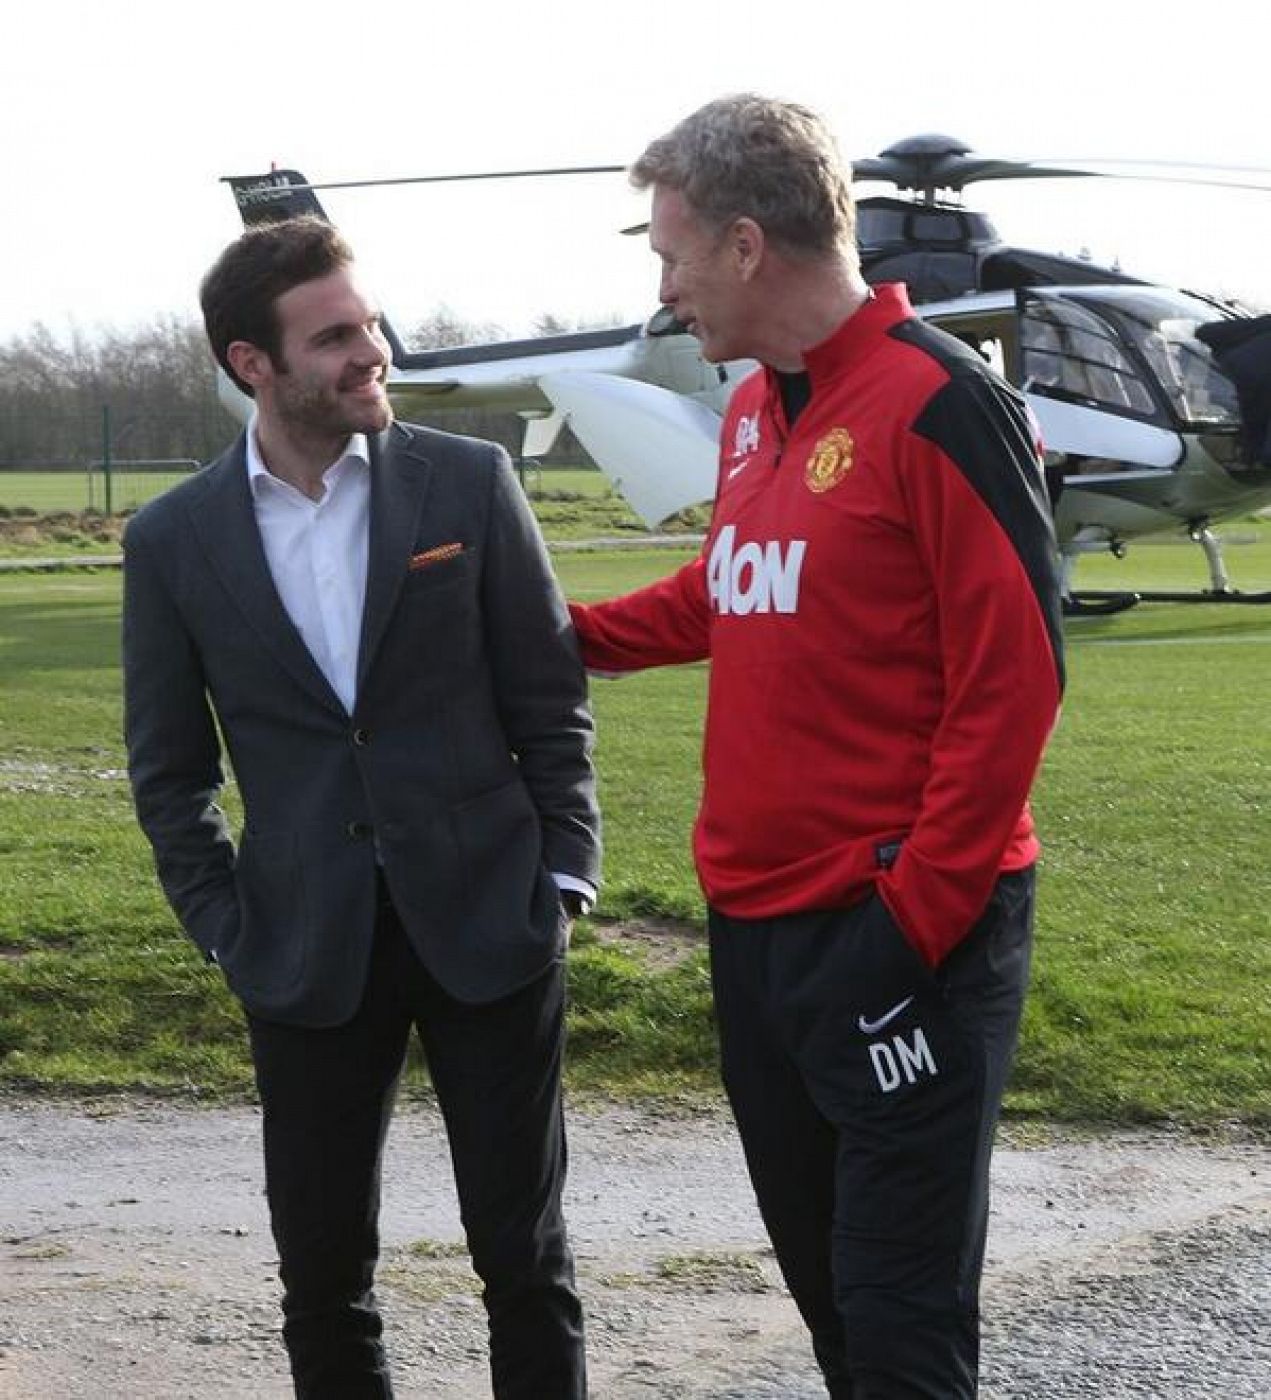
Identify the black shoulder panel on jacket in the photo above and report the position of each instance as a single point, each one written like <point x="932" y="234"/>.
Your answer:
<point x="982" y="425"/>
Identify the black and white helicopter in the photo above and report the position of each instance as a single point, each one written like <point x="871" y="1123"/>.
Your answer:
<point x="1154" y="403"/>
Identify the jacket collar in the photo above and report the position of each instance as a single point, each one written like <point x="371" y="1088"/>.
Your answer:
<point x="401" y="476"/>
<point x="223" y="518"/>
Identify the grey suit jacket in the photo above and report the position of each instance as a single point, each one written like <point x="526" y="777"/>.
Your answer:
<point x="464" y="768"/>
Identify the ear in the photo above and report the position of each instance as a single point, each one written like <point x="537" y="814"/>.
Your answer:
<point x="746" y="242"/>
<point x="252" y="365"/>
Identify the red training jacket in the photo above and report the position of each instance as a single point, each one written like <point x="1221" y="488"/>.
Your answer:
<point x="879" y="600"/>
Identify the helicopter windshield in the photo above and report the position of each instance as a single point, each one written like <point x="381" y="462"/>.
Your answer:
<point x="1132" y="350"/>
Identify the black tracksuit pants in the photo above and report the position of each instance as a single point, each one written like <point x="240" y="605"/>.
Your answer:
<point x="866" y="1090"/>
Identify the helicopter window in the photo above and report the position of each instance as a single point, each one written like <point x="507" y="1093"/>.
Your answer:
<point x="992" y="336"/>
<point x="1163" y="328"/>
<point x="936" y="228"/>
<point x="987" y="346"/>
<point x="878" y="225"/>
<point x="1069" y="352"/>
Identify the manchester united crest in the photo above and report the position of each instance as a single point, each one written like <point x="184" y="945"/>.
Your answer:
<point x="830" y="462"/>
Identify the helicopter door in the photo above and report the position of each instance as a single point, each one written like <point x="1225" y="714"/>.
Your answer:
<point x="1091" y="394"/>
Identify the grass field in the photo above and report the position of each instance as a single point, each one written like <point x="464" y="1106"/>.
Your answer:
<point x="1149" y="997"/>
<point x="52" y="514"/>
<point x="78" y="490"/>
<point x="43" y="492"/>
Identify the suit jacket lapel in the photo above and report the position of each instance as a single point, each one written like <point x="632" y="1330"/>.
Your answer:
<point x="400" y="477"/>
<point x="225" y="523"/>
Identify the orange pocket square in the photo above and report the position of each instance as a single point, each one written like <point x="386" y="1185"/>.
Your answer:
<point x="438" y="554"/>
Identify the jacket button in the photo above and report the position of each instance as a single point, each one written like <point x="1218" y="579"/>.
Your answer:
<point x="361" y="737"/>
<point x="359" y="831"/>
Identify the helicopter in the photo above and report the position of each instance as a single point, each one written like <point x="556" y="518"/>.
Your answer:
<point x="1152" y="402"/>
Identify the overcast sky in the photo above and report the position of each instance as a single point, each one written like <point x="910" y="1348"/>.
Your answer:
<point x="116" y="122"/>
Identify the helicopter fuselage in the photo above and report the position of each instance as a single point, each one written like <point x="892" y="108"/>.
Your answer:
<point x="1132" y="411"/>
<point x="1135" y="416"/>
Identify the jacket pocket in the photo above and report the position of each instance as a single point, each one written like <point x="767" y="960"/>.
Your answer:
<point x="271" y="950"/>
<point x="499" y="839"/>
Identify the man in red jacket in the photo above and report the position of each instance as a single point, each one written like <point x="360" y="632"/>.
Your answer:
<point x="878" y="599"/>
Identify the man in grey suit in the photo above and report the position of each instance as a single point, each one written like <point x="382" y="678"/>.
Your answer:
<point x="365" y="613"/>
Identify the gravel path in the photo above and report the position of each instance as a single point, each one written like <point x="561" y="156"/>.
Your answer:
<point x="135" y="1261"/>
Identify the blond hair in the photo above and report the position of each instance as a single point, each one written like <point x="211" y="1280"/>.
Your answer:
<point x="753" y="157"/>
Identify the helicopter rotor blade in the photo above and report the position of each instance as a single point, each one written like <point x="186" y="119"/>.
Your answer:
<point x="1099" y="164"/>
<point x="983" y="170"/>
<point x="465" y="175"/>
<point x="923" y="163"/>
<point x="1177" y="172"/>
<point x="925" y="172"/>
<point x="932" y="161"/>
<point x="1263" y="185"/>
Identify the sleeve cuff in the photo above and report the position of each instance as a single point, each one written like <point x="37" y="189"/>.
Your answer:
<point x="576" y="885"/>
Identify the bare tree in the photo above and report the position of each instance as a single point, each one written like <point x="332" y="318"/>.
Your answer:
<point x="152" y="388"/>
<point x="548" y="323"/>
<point x="444" y="328"/>
<point x="150" y="392"/>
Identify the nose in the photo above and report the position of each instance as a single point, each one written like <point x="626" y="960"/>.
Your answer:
<point x="666" y="291"/>
<point x="373" y="347"/>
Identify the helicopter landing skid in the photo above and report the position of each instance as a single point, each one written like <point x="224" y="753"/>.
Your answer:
<point x="1099" y="604"/>
<point x="1101" y="601"/>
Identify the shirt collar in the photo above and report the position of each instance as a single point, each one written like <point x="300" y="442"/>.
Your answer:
<point x="356" y="451"/>
<point x="887" y="304"/>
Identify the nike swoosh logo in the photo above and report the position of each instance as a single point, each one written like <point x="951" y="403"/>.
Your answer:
<point x="873" y="1027"/>
<point x="733" y="472"/>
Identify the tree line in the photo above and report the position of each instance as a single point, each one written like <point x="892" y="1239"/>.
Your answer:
<point x="154" y="387"/>
<point x="149" y="393"/>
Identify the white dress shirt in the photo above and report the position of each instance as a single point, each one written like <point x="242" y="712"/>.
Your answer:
<point x="317" y="553"/>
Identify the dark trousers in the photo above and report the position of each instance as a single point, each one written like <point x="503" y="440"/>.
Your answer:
<point x="868" y="1145"/>
<point x="327" y="1097"/>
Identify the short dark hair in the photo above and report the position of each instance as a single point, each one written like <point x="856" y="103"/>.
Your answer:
<point x="753" y="157"/>
<point x="240" y="292"/>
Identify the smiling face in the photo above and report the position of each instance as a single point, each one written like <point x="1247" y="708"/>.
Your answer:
<point x="703" y="279"/>
<point x="328" y="379"/>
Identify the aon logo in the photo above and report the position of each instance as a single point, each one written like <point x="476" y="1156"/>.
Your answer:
<point x="756" y="578"/>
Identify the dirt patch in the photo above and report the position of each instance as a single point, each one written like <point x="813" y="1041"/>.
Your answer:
<point x="659" y="943"/>
<point x="61" y="530"/>
<point x="18" y="527"/>
<point x="136" y="1261"/>
<point x="60" y="779"/>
